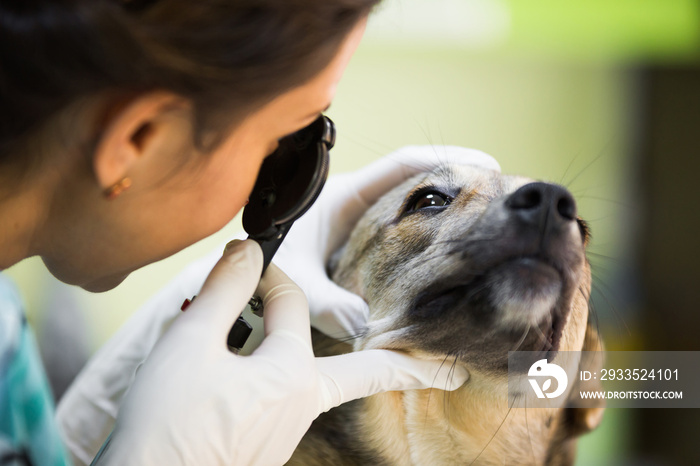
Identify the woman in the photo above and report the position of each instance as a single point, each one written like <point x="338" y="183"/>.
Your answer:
<point x="130" y="130"/>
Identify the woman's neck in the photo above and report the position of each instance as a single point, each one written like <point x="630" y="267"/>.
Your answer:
<point x="22" y="218"/>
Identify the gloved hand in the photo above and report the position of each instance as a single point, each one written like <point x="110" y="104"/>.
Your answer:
<point x="327" y="226"/>
<point x="194" y="402"/>
<point x="87" y="411"/>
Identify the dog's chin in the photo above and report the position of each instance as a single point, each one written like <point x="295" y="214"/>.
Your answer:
<point x="516" y="305"/>
<point x="526" y="294"/>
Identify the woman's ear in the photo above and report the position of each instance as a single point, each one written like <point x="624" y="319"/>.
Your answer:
<point x="131" y="131"/>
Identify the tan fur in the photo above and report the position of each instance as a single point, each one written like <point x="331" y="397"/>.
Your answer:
<point x="474" y="423"/>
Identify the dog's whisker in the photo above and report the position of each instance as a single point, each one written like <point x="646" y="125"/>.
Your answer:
<point x="586" y="295"/>
<point x="568" y="167"/>
<point x="522" y="338"/>
<point x="600" y="266"/>
<point x="599" y="287"/>
<point x="441" y="255"/>
<point x="464" y="242"/>
<point x="424" y="261"/>
<point x="604" y="199"/>
<point x="493" y="436"/>
<point x="544" y="338"/>
<point x="477" y="290"/>
<point x="426" y="133"/>
<point x="350" y="338"/>
<point x="473" y="239"/>
<point x="414" y="165"/>
<point x="431" y="258"/>
<point x="448" y="382"/>
<point x="380" y="150"/>
<point x="600" y="155"/>
<point x="430" y="392"/>
<point x="593" y="316"/>
<point x="602" y="256"/>
<point x="529" y="434"/>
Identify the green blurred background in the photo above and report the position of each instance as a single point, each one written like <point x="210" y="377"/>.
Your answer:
<point x="555" y="90"/>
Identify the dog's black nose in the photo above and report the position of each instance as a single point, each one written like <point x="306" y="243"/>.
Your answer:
<point x="543" y="203"/>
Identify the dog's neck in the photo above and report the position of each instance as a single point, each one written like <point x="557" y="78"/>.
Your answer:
<point x="472" y="425"/>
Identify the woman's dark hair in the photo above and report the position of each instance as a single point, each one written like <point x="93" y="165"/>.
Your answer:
<point x="226" y="56"/>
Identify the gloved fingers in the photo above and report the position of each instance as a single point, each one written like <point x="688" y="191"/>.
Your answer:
<point x="364" y="373"/>
<point x="287" y="344"/>
<point x="285" y="306"/>
<point x="336" y="311"/>
<point x="227" y="289"/>
<point x="376" y="179"/>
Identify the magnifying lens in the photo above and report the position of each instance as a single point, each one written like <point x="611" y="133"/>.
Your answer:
<point x="289" y="182"/>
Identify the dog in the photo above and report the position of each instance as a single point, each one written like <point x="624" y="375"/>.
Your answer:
<point x="462" y="265"/>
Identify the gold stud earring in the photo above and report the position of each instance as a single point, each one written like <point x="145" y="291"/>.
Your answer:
<point x="117" y="188"/>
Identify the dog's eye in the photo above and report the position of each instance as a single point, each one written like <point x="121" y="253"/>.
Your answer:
<point x="429" y="199"/>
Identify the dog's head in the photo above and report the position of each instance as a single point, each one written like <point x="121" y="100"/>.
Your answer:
<point x="468" y="264"/>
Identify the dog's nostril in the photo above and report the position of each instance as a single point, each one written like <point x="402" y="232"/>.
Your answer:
<point x="527" y="197"/>
<point x="566" y="206"/>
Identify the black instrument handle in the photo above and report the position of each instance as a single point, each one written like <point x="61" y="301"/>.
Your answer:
<point x="270" y="246"/>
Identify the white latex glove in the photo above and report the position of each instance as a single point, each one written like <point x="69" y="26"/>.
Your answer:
<point x="87" y="411"/>
<point x="194" y="402"/>
<point x="327" y="226"/>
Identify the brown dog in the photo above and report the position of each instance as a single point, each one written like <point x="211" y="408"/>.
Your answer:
<point x="462" y="265"/>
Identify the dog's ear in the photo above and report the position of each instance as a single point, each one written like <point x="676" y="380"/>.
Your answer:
<point x="583" y="420"/>
<point x="574" y="421"/>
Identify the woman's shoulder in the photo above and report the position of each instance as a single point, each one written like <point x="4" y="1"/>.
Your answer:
<point x="27" y="429"/>
<point x="12" y="320"/>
